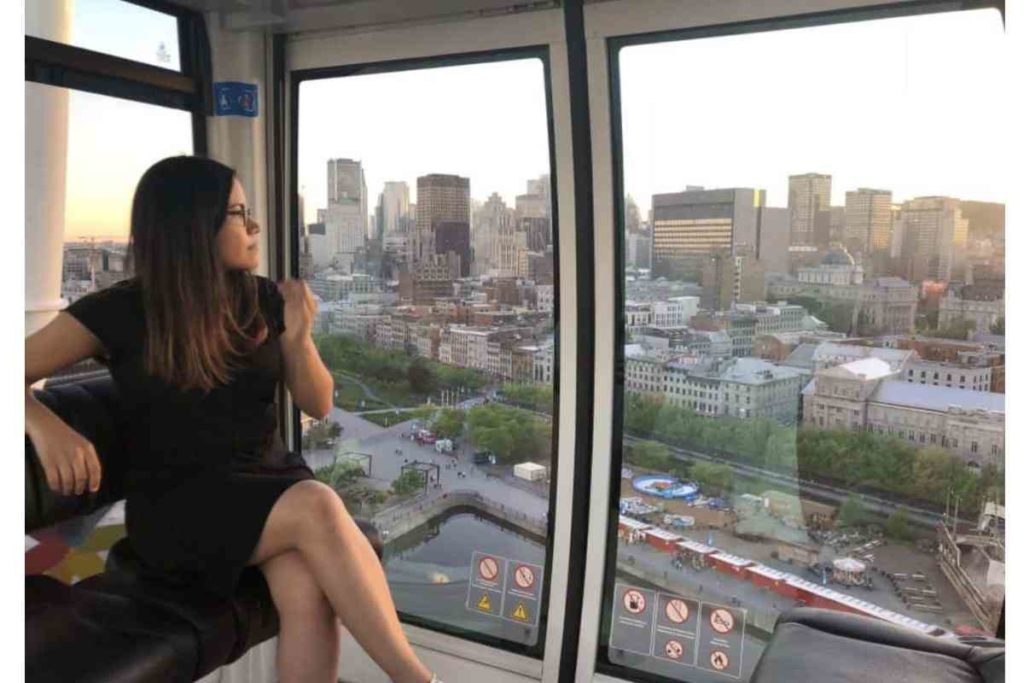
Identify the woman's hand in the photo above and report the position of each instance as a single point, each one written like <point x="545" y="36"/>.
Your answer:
<point x="68" y="458"/>
<point x="299" y="309"/>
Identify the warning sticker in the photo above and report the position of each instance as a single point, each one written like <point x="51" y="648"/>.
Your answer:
<point x="674" y="649"/>
<point x="503" y="588"/>
<point x="722" y="621"/>
<point x="520" y="613"/>
<point x="678" y="630"/>
<point x="719" y="660"/>
<point x="677" y="611"/>
<point x="523" y="576"/>
<point x="720" y="639"/>
<point x="632" y="622"/>
<point x="634" y="601"/>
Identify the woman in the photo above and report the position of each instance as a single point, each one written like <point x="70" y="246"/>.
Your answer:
<point x="196" y="345"/>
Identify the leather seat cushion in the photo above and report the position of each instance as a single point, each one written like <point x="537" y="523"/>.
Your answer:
<point x="800" y="653"/>
<point x="89" y="637"/>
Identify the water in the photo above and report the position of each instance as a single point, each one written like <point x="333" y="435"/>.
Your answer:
<point x="428" y="572"/>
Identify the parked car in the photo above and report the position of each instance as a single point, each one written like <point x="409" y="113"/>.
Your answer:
<point x="484" y="458"/>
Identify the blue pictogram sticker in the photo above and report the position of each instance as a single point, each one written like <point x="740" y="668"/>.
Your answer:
<point x="231" y="98"/>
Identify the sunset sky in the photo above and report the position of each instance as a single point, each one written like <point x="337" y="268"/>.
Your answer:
<point x="912" y="105"/>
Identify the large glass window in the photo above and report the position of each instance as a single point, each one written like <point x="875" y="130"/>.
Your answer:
<point x="427" y="228"/>
<point x="807" y="228"/>
<point x="118" y="137"/>
<point x="117" y="28"/>
<point x="110" y="143"/>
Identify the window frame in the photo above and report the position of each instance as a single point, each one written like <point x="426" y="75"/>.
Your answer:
<point x="615" y="29"/>
<point x="526" y="35"/>
<point x="68" y="66"/>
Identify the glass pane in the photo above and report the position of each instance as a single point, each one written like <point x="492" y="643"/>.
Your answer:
<point x="110" y="144"/>
<point x="813" y="290"/>
<point x="114" y="27"/>
<point x="427" y="236"/>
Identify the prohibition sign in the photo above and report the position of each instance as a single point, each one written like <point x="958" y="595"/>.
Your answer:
<point x="677" y="611"/>
<point x="722" y="621"/>
<point x="524" y="576"/>
<point x="673" y="649"/>
<point x="719" y="660"/>
<point x="488" y="568"/>
<point x="634" y="601"/>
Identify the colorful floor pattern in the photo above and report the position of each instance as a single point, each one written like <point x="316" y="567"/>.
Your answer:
<point x="75" y="549"/>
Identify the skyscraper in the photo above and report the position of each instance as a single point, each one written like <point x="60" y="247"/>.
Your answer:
<point x="394" y="208"/>
<point x="439" y="198"/>
<point x="691" y="225"/>
<point x="345" y="217"/>
<point x="868" y="221"/>
<point x="346" y="183"/>
<point x="493" y="218"/>
<point x="934" y="238"/>
<point x="810" y="196"/>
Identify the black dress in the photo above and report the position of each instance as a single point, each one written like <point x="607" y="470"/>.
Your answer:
<point x="204" y="471"/>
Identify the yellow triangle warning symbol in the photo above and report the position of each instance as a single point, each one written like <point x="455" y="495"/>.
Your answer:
<point x="484" y="604"/>
<point x="520" y="613"/>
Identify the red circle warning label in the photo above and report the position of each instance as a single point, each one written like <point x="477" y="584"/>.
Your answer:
<point x="677" y="611"/>
<point x="488" y="568"/>
<point x="721" y="620"/>
<point x="673" y="649"/>
<point x="719" y="660"/>
<point x="524" y="576"/>
<point x="634" y="601"/>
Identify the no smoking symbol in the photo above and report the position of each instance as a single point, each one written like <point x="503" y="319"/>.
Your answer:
<point x="524" y="576"/>
<point x="673" y="649"/>
<point x="634" y="601"/>
<point x="677" y="611"/>
<point x="719" y="660"/>
<point x="722" y="621"/>
<point x="488" y="568"/>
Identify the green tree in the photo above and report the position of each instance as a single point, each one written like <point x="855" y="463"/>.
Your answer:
<point x="852" y="512"/>
<point x="897" y="525"/>
<point x="422" y="379"/>
<point x="713" y="477"/>
<point x="449" y="423"/>
<point x="409" y="482"/>
<point x="650" y="455"/>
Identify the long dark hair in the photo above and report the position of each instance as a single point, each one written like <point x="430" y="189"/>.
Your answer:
<point x="200" y="316"/>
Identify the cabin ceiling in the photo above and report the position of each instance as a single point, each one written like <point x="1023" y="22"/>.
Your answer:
<point x="298" y="15"/>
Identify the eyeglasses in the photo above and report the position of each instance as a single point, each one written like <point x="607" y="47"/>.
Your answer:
<point x="245" y="212"/>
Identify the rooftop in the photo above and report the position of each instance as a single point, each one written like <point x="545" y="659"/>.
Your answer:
<point x="931" y="397"/>
<point x="865" y="368"/>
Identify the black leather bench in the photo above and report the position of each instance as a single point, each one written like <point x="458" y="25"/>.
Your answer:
<point x="822" y="645"/>
<point x="122" y="624"/>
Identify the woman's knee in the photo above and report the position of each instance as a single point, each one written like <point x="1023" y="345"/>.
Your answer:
<point x="320" y="508"/>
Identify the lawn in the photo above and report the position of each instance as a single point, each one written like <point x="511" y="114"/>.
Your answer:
<point x="389" y="418"/>
<point x="348" y="394"/>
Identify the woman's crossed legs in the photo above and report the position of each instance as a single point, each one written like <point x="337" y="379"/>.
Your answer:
<point x="310" y="539"/>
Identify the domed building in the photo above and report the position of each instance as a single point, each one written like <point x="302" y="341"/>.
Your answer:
<point x="837" y="267"/>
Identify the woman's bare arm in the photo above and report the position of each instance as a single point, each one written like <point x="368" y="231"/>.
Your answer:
<point x="308" y="380"/>
<point x="68" y="459"/>
<point x="62" y="342"/>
